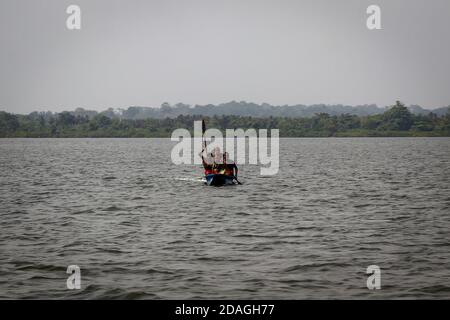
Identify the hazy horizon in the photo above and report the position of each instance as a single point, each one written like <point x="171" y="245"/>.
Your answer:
<point x="145" y="53"/>
<point x="215" y="105"/>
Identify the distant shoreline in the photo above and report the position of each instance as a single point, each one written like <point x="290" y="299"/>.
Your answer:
<point x="340" y="135"/>
<point x="398" y="121"/>
<point x="343" y="134"/>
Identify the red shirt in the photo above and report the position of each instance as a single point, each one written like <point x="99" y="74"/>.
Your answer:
<point x="208" y="168"/>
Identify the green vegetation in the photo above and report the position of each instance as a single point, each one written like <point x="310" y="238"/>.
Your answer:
<point x="396" y="121"/>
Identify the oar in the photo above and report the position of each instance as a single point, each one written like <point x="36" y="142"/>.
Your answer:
<point x="238" y="182"/>
<point x="204" y="141"/>
<point x="203" y="134"/>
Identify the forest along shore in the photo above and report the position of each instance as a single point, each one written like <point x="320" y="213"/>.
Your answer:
<point x="396" y="121"/>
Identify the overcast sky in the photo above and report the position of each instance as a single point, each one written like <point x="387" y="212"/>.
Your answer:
<point x="146" y="52"/>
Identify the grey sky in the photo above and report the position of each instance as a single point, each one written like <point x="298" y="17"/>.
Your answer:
<point x="145" y="52"/>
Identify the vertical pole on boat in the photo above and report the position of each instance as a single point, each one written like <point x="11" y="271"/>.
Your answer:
<point x="204" y="144"/>
<point x="203" y="135"/>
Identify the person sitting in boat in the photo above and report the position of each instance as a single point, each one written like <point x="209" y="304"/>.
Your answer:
<point x="218" y="162"/>
<point x="208" y="161"/>
<point x="207" y="164"/>
<point x="231" y="168"/>
<point x="217" y="155"/>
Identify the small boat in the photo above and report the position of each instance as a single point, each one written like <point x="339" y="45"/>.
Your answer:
<point x="216" y="179"/>
<point x="219" y="180"/>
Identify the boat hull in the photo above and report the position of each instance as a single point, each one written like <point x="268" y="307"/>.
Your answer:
<point x="219" y="180"/>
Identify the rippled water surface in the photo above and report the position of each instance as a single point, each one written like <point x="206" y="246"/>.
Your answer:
<point x="141" y="227"/>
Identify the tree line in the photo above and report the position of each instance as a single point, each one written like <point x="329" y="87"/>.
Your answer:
<point x="397" y="120"/>
<point x="247" y="109"/>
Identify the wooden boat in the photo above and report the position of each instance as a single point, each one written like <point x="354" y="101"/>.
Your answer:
<point x="219" y="180"/>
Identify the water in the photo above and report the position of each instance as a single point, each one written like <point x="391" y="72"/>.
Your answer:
<point x="141" y="227"/>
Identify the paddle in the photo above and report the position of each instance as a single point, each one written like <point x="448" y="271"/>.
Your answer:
<point x="238" y="182"/>
<point x="203" y="134"/>
<point x="204" y="142"/>
<point x="235" y="176"/>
